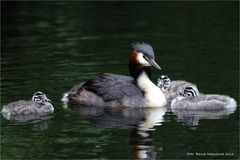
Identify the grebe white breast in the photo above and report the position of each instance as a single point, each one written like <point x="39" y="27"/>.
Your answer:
<point x="136" y="90"/>
<point x="170" y="88"/>
<point x="39" y="105"/>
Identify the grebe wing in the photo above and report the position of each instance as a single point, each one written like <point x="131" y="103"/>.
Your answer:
<point x="113" y="87"/>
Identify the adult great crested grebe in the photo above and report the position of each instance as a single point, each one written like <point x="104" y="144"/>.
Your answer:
<point x="39" y="105"/>
<point x="114" y="90"/>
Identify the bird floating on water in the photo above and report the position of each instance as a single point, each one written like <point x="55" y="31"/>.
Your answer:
<point x="136" y="90"/>
<point x="190" y="99"/>
<point x="39" y="105"/>
<point x="186" y="96"/>
<point x="170" y="88"/>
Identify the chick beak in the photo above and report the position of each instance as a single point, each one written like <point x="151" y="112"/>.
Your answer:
<point x="47" y="100"/>
<point x="154" y="64"/>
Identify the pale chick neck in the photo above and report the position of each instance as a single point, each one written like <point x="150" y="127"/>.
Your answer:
<point x="153" y="94"/>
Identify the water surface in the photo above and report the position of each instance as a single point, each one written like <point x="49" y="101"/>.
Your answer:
<point x="50" y="46"/>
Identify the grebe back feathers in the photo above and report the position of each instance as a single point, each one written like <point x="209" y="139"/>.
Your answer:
<point x="190" y="99"/>
<point x="39" y="105"/>
<point x="114" y="90"/>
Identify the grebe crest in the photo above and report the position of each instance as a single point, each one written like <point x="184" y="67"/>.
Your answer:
<point x="136" y="90"/>
<point x="142" y="58"/>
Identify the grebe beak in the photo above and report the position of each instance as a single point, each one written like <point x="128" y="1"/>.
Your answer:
<point x="154" y="64"/>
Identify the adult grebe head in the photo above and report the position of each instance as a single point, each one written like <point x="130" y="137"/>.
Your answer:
<point x="142" y="58"/>
<point x="40" y="98"/>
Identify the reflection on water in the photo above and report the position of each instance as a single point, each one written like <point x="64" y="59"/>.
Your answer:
<point x="142" y="144"/>
<point x="141" y="120"/>
<point x="39" y="124"/>
<point x="141" y="136"/>
<point x="192" y="117"/>
<point x="144" y="118"/>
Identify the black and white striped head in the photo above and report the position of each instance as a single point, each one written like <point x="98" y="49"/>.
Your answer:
<point x="163" y="82"/>
<point x="189" y="91"/>
<point x="40" y="98"/>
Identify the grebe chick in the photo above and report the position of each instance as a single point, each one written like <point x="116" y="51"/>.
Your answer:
<point x="39" y="105"/>
<point x="170" y="88"/>
<point x="190" y="99"/>
<point x="114" y="90"/>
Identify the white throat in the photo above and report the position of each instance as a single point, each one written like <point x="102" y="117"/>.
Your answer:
<point x="153" y="94"/>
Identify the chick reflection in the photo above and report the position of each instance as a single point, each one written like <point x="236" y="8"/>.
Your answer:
<point x="29" y="118"/>
<point x="38" y="123"/>
<point x="192" y="117"/>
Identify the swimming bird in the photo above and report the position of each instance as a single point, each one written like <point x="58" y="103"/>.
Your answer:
<point x="136" y="90"/>
<point x="39" y="105"/>
<point x="190" y="99"/>
<point x="170" y="88"/>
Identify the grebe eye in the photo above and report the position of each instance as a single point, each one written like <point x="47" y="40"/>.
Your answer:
<point x="145" y="57"/>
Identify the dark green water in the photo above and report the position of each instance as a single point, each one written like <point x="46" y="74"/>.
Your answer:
<point x="50" y="46"/>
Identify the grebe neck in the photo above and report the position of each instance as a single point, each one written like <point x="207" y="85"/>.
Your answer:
<point x="153" y="94"/>
<point x="136" y="69"/>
